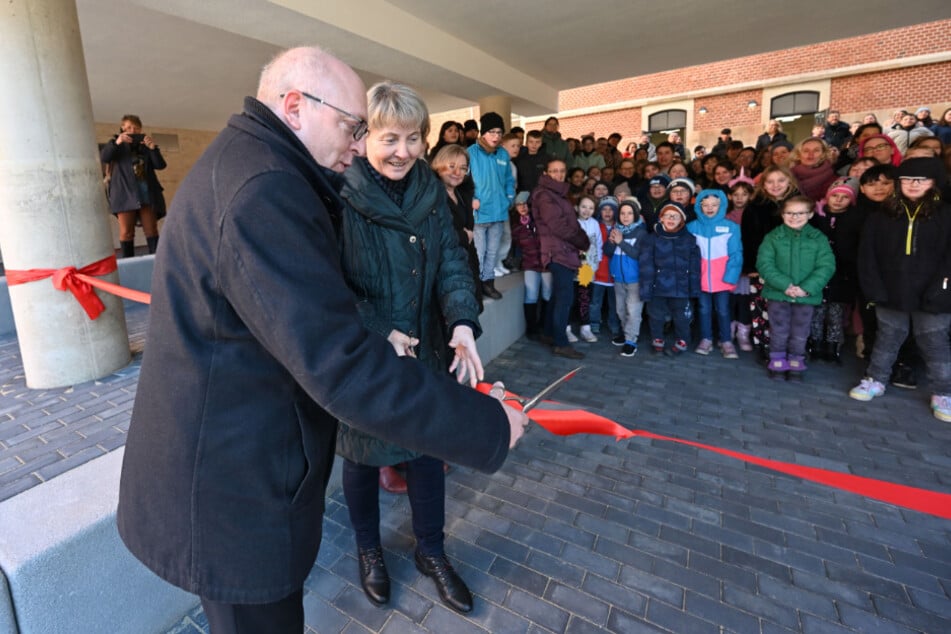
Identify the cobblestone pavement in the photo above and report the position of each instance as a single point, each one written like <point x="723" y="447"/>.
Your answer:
<point x="585" y="534"/>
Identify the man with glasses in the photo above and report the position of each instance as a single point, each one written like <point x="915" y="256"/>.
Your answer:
<point x="491" y="171"/>
<point x="256" y="349"/>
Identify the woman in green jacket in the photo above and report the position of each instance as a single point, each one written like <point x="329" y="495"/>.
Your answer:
<point x="402" y="259"/>
<point x="795" y="263"/>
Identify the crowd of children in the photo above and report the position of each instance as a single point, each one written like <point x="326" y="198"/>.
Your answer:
<point x="779" y="250"/>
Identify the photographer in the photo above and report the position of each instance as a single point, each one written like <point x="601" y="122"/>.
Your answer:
<point x="134" y="190"/>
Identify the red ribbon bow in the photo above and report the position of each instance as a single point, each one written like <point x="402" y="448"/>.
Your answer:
<point x="80" y="283"/>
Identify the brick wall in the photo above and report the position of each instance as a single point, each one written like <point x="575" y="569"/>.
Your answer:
<point x="900" y="88"/>
<point x="905" y="42"/>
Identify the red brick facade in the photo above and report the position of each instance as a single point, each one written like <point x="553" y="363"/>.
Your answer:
<point x="879" y="91"/>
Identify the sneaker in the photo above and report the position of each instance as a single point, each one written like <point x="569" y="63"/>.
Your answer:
<point x="941" y="405"/>
<point x="678" y="348"/>
<point x="728" y="350"/>
<point x="704" y="347"/>
<point x="587" y="335"/>
<point x="571" y="336"/>
<point x="657" y="346"/>
<point x="868" y="389"/>
<point x="903" y="376"/>
<point x="629" y="349"/>
<point x="567" y="351"/>
<point x="619" y="340"/>
<point x="500" y="271"/>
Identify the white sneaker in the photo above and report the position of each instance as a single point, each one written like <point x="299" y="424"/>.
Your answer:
<point x="501" y="271"/>
<point x="868" y="389"/>
<point x="941" y="405"/>
<point x="587" y="335"/>
<point x="571" y="336"/>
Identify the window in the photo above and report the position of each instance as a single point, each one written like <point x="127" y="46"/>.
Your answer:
<point x="794" y="103"/>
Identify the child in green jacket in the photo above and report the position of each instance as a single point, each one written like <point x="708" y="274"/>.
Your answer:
<point x="795" y="262"/>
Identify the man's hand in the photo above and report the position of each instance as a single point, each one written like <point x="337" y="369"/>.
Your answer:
<point x="123" y="138"/>
<point x="466" y="363"/>
<point x="149" y="142"/>
<point x="518" y="421"/>
<point x="402" y="343"/>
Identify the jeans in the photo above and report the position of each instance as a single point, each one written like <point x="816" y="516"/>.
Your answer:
<point x="505" y="244"/>
<point x="707" y="304"/>
<point x="931" y="336"/>
<point x="426" y="488"/>
<point x="678" y="308"/>
<point x="559" y="308"/>
<point x="536" y="281"/>
<point x="598" y="293"/>
<point x="630" y="309"/>
<point x="789" y="327"/>
<point x="487" y="236"/>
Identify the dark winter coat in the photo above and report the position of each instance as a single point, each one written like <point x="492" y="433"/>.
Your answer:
<point x="761" y="217"/>
<point x="123" y="185"/>
<point x="560" y="236"/>
<point x="408" y="272"/>
<point x="894" y="278"/>
<point x="669" y="264"/>
<point x="837" y="134"/>
<point x="255" y="349"/>
<point x="525" y="237"/>
<point x="763" y="141"/>
<point x="843" y="230"/>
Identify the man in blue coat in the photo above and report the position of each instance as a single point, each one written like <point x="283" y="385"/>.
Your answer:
<point x="255" y="350"/>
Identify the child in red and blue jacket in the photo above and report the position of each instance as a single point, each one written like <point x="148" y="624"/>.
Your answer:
<point x="721" y="261"/>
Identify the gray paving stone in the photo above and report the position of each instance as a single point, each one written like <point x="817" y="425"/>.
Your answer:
<point x="537" y="611"/>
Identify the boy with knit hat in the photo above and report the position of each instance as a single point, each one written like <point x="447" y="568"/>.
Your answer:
<point x="491" y="172"/>
<point x="652" y="197"/>
<point x="681" y="191"/>
<point x="623" y="248"/>
<point x="669" y="268"/>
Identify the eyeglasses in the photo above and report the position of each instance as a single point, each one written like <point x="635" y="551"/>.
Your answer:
<point x="876" y="148"/>
<point x="359" y="130"/>
<point x="462" y="169"/>
<point x="795" y="214"/>
<point x="496" y="131"/>
<point x="914" y="180"/>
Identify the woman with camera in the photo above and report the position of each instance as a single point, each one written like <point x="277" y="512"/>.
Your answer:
<point x="135" y="194"/>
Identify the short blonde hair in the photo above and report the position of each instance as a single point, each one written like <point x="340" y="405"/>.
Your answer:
<point x="795" y="156"/>
<point x="447" y="154"/>
<point x="397" y="105"/>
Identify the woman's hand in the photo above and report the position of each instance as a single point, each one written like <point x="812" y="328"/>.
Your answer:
<point x="402" y="343"/>
<point x="518" y="421"/>
<point x="466" y="363"/>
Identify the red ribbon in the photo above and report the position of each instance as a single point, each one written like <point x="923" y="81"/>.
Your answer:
<point x="80" y="283"/>
<point x="563" y="420"/>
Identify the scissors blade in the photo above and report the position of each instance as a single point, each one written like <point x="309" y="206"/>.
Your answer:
<point x="535" y="400"/>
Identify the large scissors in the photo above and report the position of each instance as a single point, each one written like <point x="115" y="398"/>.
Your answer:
<point x="529" y="403"/>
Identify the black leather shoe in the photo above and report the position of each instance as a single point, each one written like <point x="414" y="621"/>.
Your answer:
<point x="373" y="576"/>
<point x="451" y="588"/>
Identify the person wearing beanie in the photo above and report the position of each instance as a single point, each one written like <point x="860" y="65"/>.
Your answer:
<point x="923" y="114"/>
<point x="623" y="250"/>
<point x="603" y="282"/>
<point x="491" y="171"/>
<point x="904" y="264"/>
<point x="721" y="260"/>
<point x="669" y="269"/>
<point x="881" y="148"/>
<point x="740" y="192"/>
<point x="841" y="221"/>
<point x="681" y="191"/>
<point x="535" y="277"/>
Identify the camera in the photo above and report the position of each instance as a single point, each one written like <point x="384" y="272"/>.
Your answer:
<point x="137" y="138"/>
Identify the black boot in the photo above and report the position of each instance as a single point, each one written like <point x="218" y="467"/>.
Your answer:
<point x="153" y="243"/>
<point x="488" y="289"/>
<point x="373" y="576"/>
<point x="128" y="248"/>
<point x="531" y="321"/>
<point x="452" y="589"/>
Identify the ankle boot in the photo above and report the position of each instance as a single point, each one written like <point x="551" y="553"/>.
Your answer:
<point x="128" y="248"/>
<point x="531" y="321"/>
<point x="488" y="289"/>
<point x="153" y="243"/>
<point x="796" y="363"/>
<point x="778" y="365"/>
<point x="743" y="337"/>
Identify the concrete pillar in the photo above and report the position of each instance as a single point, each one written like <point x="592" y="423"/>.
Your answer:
<point x="53" y="210"/>
<point x="499" y="104"/>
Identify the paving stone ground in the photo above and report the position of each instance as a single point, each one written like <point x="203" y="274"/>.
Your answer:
<point x="585" y="534"/>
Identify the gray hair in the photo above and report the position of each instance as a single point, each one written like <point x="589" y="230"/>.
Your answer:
<point x="397" y="105"/>
<point x="293" y="69"/>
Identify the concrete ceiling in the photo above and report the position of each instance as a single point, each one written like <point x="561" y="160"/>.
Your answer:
<point x="187" y="64"/>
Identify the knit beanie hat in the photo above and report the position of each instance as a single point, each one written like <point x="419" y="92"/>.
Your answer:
<point x="847" y="186"/>
<point x="676" y="207"/>
<point x="742" y="178"/>
<point x="660" y="179"/>
<point x="609" y="201"/>
<point x="682" y="182"/>
<point x="491" y="121"/>
<point x="522" y="197"/>
<point x="922" y="167"/>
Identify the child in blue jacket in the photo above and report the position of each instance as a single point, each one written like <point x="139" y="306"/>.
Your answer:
<point x="623" y="249"/>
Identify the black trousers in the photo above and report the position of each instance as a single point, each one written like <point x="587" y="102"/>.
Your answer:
<point x="280" y="617"/>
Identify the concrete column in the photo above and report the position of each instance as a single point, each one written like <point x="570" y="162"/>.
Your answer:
<point x="499" y="104"/>
<point x="53" y="210"/>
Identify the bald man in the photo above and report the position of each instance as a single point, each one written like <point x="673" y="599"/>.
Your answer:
<point x="255" y="350"/>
